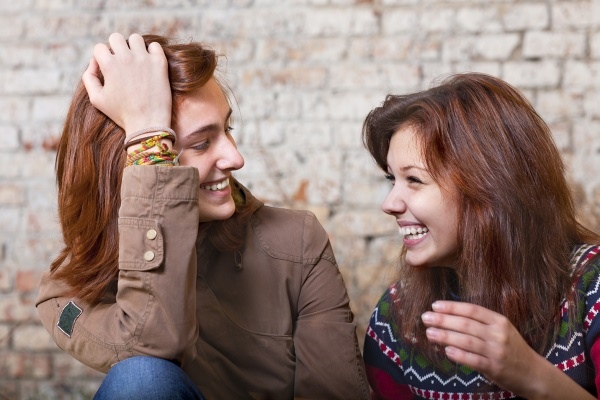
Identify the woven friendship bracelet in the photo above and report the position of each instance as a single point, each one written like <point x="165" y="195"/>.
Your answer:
<point x="143" y="155"/>
<point x="165" y="158"/>
<point x="129" y="138"/>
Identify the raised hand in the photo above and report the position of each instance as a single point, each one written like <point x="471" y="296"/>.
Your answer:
<point x="135" y="93"/>
<point x="489" y="343"/>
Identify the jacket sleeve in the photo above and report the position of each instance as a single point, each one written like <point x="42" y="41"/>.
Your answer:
<point x="154" y="310"/>
<point x="328" y="360"/>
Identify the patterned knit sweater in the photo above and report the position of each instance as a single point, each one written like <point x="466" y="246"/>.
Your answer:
<point x="397" y="371"/>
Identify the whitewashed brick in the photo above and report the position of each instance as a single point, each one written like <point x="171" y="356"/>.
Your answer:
<point x="490" y="68"/>
<point x="310" y="49"/>
<point x="486" y="47"/>
<point x="15" y="307"/>
<point x="29" y="81"/>
<point x="347" y="135"/>
<point x="402" y="20"/>
<point x="437" y="20"/>
<point x="362" y="223"/>
<point x="15" y="109"/>
<point x="50" y="108"/>
<point x="555" y="105"/>
<point x="554" y="44"/>
<point x="595" y="45"/>
<point x="10" y="220"/>
<point x="349" y="76"/>
<point x="309" y="135"/>
<point x="525" y="16"/>
<point x="12" y="194"/>
<point x="582" y="75"/>
<point x="401" y="78"/>
<point x="313" y="176"/>
<point x="32" y="337"/>
<point x="480" y="19"/>
<point x="329" y="22"/>
<point x="561" y="133"/>
<point x="530" y="74"/>
<point x="339" y="106"/>
<point x="287" y="77"/>
<point x="278" y="22"/>
<point x="271" y="132"/>
<point x="591" y="104"/>
<point x="572" y="14"/>
<point x="586" y="147"/>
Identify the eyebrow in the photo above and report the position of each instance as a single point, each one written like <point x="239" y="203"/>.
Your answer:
<point x="408" y="167"/>
<point x="204" y="129"/>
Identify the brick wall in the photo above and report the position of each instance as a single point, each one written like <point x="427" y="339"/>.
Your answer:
<point x="306" y="72"/>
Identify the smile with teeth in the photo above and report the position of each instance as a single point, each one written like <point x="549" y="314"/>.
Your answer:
<point x="411" y="232"/>
<point x="217" y="186"/>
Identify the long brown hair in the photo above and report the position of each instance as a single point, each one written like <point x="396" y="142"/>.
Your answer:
<point x="89" y="168"/>
<point x="517" y="224"/>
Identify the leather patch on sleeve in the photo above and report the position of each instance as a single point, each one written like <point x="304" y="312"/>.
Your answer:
<point x="68" y="316"/>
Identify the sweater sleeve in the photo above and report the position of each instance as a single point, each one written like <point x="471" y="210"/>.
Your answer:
<point x="154" y="310"/>
<point x="325" y="326"/>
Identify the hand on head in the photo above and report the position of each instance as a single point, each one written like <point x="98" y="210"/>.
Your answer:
<point x="135" y="93"/>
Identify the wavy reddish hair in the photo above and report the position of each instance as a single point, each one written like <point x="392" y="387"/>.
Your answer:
<point x="517" y="224"/>
<point x="89" y="168"/>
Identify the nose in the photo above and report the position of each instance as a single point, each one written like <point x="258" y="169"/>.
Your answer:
<point x="230" y="158"/>
<point x="394" y="202"/>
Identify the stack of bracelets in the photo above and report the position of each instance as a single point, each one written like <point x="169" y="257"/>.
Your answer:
<point x="146" y="155"/>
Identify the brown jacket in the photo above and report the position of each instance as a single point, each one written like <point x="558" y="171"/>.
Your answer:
<point x="271" y="321"/>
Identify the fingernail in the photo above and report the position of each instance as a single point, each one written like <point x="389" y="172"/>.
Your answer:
<point x="427" y="317"/>
<point x="437" y="306"/>
<point x="432" y="333"/>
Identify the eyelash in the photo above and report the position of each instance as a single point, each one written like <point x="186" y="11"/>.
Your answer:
<point x="204" y="145"/>
<point x="410" y="179"/>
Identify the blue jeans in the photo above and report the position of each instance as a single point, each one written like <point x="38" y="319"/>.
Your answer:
<point x="147" y="378"/>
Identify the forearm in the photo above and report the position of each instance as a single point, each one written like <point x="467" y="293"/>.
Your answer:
<point x="548" y="382"/>
<point x="154" y="310"/>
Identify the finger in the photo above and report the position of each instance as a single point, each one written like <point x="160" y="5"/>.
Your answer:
<point x="455" y="323"/>
<point x="91" y="80"/>
<point x="469" y="310"/>
<point x="137" y="43"/>
<point x="117" y="43"/>
<point x="467" y="358"/>
<point x="462" y="341"/>
<point x="102" y="53"/>
<point x="156" y="49"/>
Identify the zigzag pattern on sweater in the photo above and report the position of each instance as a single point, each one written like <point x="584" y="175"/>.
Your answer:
<point x="567" y="353"/>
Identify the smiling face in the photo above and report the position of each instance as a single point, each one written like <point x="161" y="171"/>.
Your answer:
<point x="425" y="213"/>
<point x="203" y="126"/>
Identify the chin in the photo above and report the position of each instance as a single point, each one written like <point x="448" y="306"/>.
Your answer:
<point x="217" y="214"/>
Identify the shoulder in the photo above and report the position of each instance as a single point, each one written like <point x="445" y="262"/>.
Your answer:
<point x="293" y="234"/>
<point x="382" y="317"/>
<point x="586" y="261"/>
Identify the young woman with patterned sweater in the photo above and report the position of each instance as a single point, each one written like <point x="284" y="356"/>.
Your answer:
<point x="498" y="291"/>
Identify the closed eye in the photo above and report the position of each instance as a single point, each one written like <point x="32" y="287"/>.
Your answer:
<point x="201" y="146"/>
<point x="390" y="178"/>
<point x="413" y="179"/>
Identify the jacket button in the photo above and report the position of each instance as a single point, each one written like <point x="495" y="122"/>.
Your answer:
<point x="151" y="234"/>
<point x="149" y="255"/>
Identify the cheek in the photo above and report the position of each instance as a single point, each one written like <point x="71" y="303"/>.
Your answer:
<point x="198" y="162"/>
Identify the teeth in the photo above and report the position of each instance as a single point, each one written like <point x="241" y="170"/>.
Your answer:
<point x="217" y="186"/>
<point x="413" y="232"/>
